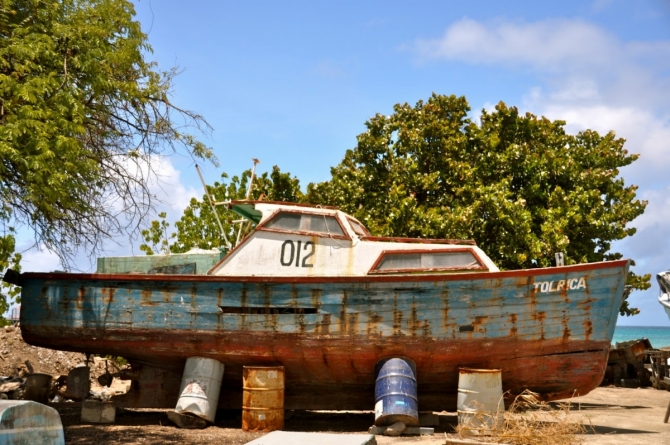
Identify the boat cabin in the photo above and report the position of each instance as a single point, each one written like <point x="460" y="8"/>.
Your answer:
<point x="314" y="241"/>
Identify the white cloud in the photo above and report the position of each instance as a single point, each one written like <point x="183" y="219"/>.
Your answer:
<point x="40" y="260"/>
<point x="659" y="211"/>
<point x="169" y="189"/>
<point x="170" y="196"/>
<point x="550" y="45"/>
<point x="163" y="182"/>
<point x="579" y="60"/>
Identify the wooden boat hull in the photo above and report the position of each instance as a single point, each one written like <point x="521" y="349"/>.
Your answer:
<point x="548" y="329"/>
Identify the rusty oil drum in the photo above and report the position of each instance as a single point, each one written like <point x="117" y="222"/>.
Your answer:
<point x="38" y="387"/>
<point x="263" y="398"/>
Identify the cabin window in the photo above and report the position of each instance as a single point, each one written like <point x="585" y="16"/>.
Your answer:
<point x="427" y="261"/>
<point x="303" y="222"/>
<point x="358" y="228"/>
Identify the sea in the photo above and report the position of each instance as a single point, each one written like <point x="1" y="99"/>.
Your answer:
<point x="659" y="336"/>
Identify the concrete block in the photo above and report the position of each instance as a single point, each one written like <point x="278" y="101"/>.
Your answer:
<point x="418" y="431"/>
<point x="409" y="431"/>
<point x="93" y="411"/>
<point x="293" y="438"/>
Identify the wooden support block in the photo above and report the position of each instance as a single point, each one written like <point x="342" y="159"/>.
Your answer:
<point x="429" y="419"/>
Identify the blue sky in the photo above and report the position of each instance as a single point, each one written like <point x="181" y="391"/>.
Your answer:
<point x="292" y="83"/>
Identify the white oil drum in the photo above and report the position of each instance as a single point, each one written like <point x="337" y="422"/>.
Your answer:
<point x="480" y="400"/>
<point x="200" y="387"/>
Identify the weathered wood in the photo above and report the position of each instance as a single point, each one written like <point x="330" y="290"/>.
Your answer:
<point x="659" y="367"/>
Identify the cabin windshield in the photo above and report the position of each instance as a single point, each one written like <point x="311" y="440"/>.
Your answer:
<point x="303" y="222"/>
<point x="358" y="228"/>
<point x="427" y="261"/>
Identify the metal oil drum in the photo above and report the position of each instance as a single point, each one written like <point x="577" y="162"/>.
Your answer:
<point x="78" y="383"/>
<point x="200" y="388"/>
<point x="480" y="400"/>
<point x="396" y="393"/>
<point x="263" y="398"/>
<point x="38" y="387"/>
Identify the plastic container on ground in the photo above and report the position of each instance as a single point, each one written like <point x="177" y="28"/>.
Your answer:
<point x="27" y="422"/>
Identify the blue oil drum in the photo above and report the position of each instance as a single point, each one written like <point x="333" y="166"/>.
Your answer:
<point x="395" y="392"/>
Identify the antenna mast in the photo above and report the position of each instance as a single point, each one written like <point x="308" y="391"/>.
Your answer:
<point x="211" y="202"/>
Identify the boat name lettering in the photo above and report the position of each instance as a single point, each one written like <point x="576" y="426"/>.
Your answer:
<point x="293" y="253"/>
<point x="555" y="286"/>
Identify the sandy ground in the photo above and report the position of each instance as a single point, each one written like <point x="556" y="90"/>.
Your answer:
<point x="626" y="416"/>
<point x="618" y="416"/>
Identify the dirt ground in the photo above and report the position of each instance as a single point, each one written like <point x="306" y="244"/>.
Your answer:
<point x="14" y="352"/>
<point x="617" y="415"/>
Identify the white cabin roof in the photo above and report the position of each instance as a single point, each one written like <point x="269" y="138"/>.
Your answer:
<point x="302" y="240"/>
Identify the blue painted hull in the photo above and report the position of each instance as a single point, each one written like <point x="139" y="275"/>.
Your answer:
<point x="548" y="329"/>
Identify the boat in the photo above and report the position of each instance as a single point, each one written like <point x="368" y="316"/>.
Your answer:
<point x="664" y="283"/>
<point x="310" y="289"/>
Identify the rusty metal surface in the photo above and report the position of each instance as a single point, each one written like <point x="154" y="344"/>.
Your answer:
<point x="549" y="330"/>
<point x="263" y="398"/>
<point x="78" y="383"/>
<point x="38" y="387"/>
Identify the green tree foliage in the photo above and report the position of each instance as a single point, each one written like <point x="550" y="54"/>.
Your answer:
<point x="519" y="185"/>
<point x="8" y="292"/>
<point x="198" y="228"/>
<point x="83" y="118"/>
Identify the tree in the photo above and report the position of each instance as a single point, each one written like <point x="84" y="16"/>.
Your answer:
<point x="198" y="227"/>
<point x="83" y="118"/>
<point x="519" y="185"/>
